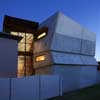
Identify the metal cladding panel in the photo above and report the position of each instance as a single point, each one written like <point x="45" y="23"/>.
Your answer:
<point x="66" y="44"/>
<point x="89" y="60"/>
<point x="70" y="76"/>
<point x="8" y="57"/>
<point x="67" y="26"/>
<point x="40" y="46"/>
<point x="88" y="76"/>
<point x="66" y="35"/>
<point x="45" y="43"/>
<point x="49" y="86"/>
<point x="98" y="77"/>
<point x="4" y="88"/>
<point x="63" y="58"/>
<point x="25" y="88"/>
<point x="87" y="35"/>
<point x="88" y="47"/>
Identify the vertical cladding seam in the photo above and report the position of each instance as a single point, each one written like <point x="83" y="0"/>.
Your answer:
<point x="56" y="22"/>
<point x="81" y="47"/>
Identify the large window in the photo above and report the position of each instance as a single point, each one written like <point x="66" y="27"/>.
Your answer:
<point x="26" y="44"/>
<point x="25" y="47"/>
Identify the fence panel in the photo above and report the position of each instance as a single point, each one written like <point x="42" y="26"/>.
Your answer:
<point x="50" y="86"/>
<point x="25" y="88"/>
<point x="4" y="88"/>
<point x="39" y="87"/>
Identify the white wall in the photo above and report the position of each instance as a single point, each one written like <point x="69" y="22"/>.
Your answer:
<point x="76" y="77"/>
<point x="8" y="57"/>
<point x="47" y="86"/>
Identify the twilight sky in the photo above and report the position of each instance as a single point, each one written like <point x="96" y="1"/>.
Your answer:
<point x="85" y="12"/>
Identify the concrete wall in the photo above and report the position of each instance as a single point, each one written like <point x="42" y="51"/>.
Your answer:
<point x="75" y="77"/>
<point x="8" y="57"/>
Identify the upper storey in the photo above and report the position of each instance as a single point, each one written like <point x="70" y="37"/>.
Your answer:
<point x="66" y="35"/>
<point x="67" y="26"/>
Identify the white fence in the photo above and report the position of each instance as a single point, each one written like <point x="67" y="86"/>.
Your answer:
<point x="30" y="88"/>
<point x="42" y="87"/>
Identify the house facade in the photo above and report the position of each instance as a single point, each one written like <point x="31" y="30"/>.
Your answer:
<point x="58" y="45"/>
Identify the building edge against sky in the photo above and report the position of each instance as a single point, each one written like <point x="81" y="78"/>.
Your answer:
<point x="66" y="46"/>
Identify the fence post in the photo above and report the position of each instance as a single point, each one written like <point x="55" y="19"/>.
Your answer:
<point x="60" y="86"/>
<point x="10" y="88"/>
<point x="39" y="87"/>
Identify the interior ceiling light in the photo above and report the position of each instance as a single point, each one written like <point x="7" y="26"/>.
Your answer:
<point x="41" y="35"/>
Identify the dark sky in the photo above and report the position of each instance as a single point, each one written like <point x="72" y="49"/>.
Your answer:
<point x="85" y="12"/>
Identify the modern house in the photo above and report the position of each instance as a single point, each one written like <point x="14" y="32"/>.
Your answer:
<point x="59" y="45"/>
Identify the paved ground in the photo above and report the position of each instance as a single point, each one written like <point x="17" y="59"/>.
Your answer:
<point x="91" y="93"/>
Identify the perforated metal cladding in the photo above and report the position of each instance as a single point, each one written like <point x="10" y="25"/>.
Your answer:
<point x="65" y="43"/>
<point x="68" y="41"/>
<point x="88" y="47"/>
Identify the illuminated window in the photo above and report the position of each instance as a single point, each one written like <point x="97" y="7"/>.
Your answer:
<point x="25" y="47"/>
<point x="21" y="47"/>
<point x="40" y="58"/>
<point x="14" y="33"/>
<point x="41" y="35"/>
<point x="29" y="38"/>
<point x="21" y="66"/>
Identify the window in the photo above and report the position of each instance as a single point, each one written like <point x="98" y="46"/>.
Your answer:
<point x="40" y="58"/>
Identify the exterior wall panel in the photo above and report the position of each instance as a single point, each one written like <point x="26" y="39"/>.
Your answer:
<point x="25" y="88"/>
<point x="64" y="58"/>
<point x="45" y="43"/>
<point x="70" y="76"/>
<point x="88" y="60"/>
<point x="67" y="26"/>
<point x="87" y="35"/>
<point x="65" y="43"/>
<point x="49" y="86"/>
<point x="88" y="47"/>
<point x="88" y="76"/>
<point x="8" y="58"/>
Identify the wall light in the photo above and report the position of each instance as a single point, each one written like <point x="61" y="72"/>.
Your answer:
<point x="41" y="35"/>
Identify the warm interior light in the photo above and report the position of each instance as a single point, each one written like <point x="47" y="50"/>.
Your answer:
<point x="40" y="58"/>
<point x="14" y="33"/>
<point x="41" y="35"/>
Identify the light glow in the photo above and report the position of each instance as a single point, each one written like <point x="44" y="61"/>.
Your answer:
<point x="41" y="35"/>
<point x="40" y="58"/>
<point x="14" y="33"/>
